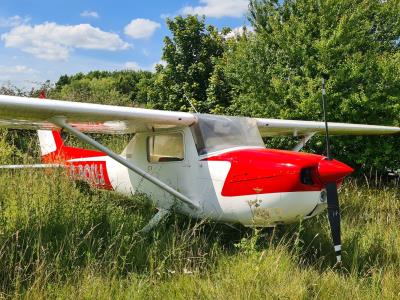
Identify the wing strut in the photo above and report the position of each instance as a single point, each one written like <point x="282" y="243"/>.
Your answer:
<point x="303" y="141"/>
<point x="61" y="123"/>
<point x="162" y="213"/>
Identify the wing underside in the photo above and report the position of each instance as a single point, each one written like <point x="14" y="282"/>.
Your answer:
<point x="33" y="113"/>
<point x="275" y="127"/>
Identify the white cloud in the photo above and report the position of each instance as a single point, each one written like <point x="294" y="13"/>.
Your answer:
<point x="153" y="66"/>
<point x="218" y="8"/>
<point x="13" y="21"/>
<point x="160" y="62"/>
<point x="165" y="16"/>
<point x="12" y="74"/>
<point x="132" y="65"/>
<point x="51" y="41"/>
<point x="135" y="66"/>
<point x="18" y="69"/>
<point x="238" y="31"/>
<point x="38" y="71"/>
<point x="90" y="14"/>
<point x="141" y="28"/>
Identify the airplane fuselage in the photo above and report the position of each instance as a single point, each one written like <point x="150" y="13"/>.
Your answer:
<point x="250" y="185"/>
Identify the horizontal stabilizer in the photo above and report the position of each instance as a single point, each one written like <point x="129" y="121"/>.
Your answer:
<point x="35" y="166"/>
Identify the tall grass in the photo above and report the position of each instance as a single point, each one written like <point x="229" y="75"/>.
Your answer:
<point x="59" y="239"/>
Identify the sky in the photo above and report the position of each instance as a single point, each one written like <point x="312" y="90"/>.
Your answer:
<point x="43" y="39"/>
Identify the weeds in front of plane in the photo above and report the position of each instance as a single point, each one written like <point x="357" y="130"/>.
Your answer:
<point x="61" y="239"/>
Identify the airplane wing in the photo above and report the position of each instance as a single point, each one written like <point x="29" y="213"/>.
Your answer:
<point x="33" y="113"/>
<point x="275" y="127"/>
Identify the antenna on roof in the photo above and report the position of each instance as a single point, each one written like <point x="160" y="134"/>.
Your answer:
<point x="191" y="104"/>
<point x="324" y="108"/>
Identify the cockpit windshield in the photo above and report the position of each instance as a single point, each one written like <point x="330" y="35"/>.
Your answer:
<point x="213" y="133"/>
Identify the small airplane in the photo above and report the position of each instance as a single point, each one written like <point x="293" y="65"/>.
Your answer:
<point x="204" y="166"/>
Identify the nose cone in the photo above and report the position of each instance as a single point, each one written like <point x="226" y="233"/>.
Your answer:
<point x="332" y="170"/>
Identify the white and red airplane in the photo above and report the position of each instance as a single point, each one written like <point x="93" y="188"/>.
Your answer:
<point x="204" y="166"/>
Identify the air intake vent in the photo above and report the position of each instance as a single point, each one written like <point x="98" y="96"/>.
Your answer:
<point x="306" y="176"/>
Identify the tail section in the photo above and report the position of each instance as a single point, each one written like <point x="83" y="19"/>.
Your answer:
<point x="81" y="164"/>
<point x="51" y="142"/>
<point x="53" y="149"/>
<point x="51" y="145"/>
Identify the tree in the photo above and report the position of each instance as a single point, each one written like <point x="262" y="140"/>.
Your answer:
<point x="276" y="72"/>
<point x="116" y="88"/>
<point x="191" y="55"/>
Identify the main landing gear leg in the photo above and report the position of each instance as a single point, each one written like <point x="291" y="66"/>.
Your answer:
<point x="161" y="214"/>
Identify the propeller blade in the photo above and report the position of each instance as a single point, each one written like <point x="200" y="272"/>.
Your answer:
<point x="334" y="218"/>
<point x="331" y="189"/>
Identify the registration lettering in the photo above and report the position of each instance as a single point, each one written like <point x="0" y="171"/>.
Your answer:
<point x="92" y="173"/>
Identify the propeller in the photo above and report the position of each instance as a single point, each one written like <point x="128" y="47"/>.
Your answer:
<point x="331" y="189"/>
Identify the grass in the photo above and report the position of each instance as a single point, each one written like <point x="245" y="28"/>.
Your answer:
<point x="59" y="239"/>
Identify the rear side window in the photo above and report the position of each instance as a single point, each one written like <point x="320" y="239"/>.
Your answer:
<point x="165" y="147"/>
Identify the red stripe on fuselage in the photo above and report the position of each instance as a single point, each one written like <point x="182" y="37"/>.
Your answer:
<point x="65" y="153"/>
<point x="262" y="171"/>
<point x="93" y="172"/>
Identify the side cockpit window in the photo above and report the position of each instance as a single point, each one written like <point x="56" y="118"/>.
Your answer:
<point x="165" y="147"/>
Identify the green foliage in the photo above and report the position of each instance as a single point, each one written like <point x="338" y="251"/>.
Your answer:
<point x="276" y="72"/>
<point x="248" y="245"/>
<point x="114" y="88"/>
<point x="273" y="72"/>
<point x="95" y="91"/>
<point x="59" y="239"/>
<point x="7" y="151"/>
<point x="189" y="77"/>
